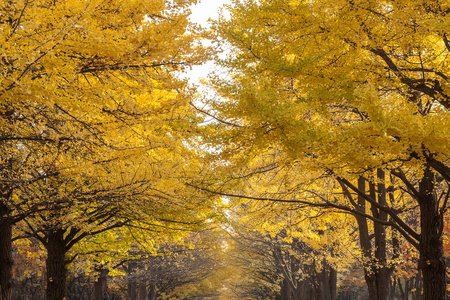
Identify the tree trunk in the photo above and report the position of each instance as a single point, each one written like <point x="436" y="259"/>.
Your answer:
<point x="142" y="291"/>
<point x="408" y="286"/>
<point x="431" y="249"/>
<point x="283" y="290"/>
<point x="101" y="285"/>
<point x="364" y="241"/>
<point x="6" y="261"/>
<point x="383" y="273"/>
<point x="418" y="284"/>
<point x="132" y="280"/>
<point x="143" y="294"/>
<point x="56" y="266"/>
<point x="333" y="283"/>
<point x="376" y="272"/>
<point x="152" y="294"/>
<point x="327" y="282"/>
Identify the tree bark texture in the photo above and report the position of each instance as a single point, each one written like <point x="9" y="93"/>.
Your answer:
<point x="333" y="283"/>
<point x="364" y="241"/>
<point x="6" y="261"/>
<point x="142" y="291"/>
<point x="383" y="273"/>
<point x="152" y="294"/>
<point x="376" y="273"/>
<point x="431" y="248"/>
<point x="132" y="280"/>
<point x="56" y="266"/>
<point x="101" y="285"/>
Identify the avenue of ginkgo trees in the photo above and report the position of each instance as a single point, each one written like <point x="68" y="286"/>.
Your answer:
<point x="343" y="105"/>
<point x="94" y="125"/>
<point x="330" y="108"/>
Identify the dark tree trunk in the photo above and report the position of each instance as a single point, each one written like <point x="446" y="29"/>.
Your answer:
<point x="333" y="283"/>
<point x="56" y="266"/>
<point x="152" y="294"/>
<point x="327" y="280"/>
<point x="132" y="280"/>
<point x="376" y="272"/>
<point x="383" y="273"/>
<point x="284" y="290"/>
<point x="417" y="284"/>
<point x="101" y="285"/>
<point x="431" y="249"/>
<point x="142" y="290"/>
<point x="143" y="294"/>
<point x="364" y="241"/>
<point x="6" y="261"/>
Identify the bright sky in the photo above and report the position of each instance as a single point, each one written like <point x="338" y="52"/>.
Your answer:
<point x="206" y="9"/>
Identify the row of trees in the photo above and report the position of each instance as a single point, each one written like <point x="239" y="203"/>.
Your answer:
<point x="341" y="106"/>
<point x="94" y="132"/>
<point x="315" y="256"/>
<point x="331" y="109"/>
<point x="171" y="271"/>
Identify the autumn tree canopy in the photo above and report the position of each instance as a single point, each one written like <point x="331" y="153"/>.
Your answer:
<point x="328" y="107"/>
<point x="95" y="121"/>
<point x="355" y="91"/>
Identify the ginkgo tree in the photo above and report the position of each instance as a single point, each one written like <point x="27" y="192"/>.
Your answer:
<point x="287" y="255"/>
<point x="276" y="189"/>
<point x="76" y="212"/>
<point x="84" y="86"/>
<point x="346" y="89"/>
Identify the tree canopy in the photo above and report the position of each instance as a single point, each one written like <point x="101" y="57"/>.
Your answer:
<point x="323" y="154"/>
<point x="355" y="92"/>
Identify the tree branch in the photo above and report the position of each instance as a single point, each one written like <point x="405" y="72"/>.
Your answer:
<point x="407" y="232"/>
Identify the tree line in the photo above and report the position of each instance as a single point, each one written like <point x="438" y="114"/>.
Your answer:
<point x="322" y="153"/>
